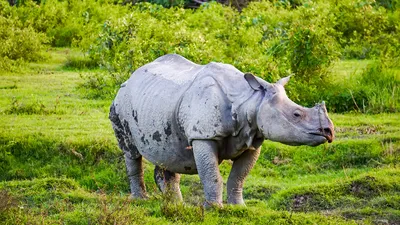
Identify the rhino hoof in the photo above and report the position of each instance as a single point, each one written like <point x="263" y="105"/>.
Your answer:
<point x="138" y="197"/>
<point x="212" y="205"/>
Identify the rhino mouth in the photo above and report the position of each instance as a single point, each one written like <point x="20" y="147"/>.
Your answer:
<point x="327" y="135"/>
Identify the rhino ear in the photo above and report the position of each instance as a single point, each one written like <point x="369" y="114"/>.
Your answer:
<point x="283" y="81"/>
<point x="253" y="82"/>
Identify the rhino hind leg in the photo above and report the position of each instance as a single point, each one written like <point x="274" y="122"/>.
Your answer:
<point x="133" y="159"/>
<point x="135" y="173"/>
<point x="168" y="183"/>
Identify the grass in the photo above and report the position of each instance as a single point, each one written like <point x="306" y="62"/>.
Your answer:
<point x="59" y="163"/>
<point x="344" y="69"/>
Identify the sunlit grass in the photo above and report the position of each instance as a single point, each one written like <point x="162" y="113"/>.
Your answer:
<point x="75" y="172"/>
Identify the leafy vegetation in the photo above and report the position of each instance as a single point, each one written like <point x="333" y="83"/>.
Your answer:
<point x="270" y="39"/>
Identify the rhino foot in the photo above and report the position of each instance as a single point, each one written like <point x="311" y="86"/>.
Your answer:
<point x="168" y="183"/>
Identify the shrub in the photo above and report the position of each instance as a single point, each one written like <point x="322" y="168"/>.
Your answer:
<point x="17" y="107"/>
<point x="66" y="23"/>
<point x="270" y="39"/>
<point x="98" y="85"/>
<point x="364" y="26"/>
<point x="18" y="43"/>
<point x="80" y="62"/>
<point x="253" y="41"/>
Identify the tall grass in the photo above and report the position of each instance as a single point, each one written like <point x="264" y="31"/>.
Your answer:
<point x="381" y="83"/>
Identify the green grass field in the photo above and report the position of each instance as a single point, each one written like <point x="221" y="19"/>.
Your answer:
<point x="60" y="164"/>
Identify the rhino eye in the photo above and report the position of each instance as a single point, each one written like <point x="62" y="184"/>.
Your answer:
<point x="297" y="114"/>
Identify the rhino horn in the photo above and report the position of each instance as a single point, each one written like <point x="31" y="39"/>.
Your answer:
<point x="322" y="106"/>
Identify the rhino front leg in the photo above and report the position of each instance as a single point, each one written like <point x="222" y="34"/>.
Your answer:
<point x="240" y="169"/>
<point x="206" y="157"/>
<point x="135" y="173"/>
<point x="168" y="183"/>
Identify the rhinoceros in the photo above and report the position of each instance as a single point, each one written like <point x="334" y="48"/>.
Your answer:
<point x="187" y="118"/>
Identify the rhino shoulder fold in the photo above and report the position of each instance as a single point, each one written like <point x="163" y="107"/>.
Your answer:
<point x="205" y="111"/>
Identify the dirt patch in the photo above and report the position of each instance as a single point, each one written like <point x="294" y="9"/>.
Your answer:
<point x="302" y="202"/>
<point x="374" y="129"/>
<point x="375" y="216"/>
<point x="259" y="192"/>
<point x="278" y="161"/>
<point x="363" y="187"/>
<point x="7" y="201"/>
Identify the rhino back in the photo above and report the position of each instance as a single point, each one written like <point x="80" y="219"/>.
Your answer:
<point x="148" y="101"/>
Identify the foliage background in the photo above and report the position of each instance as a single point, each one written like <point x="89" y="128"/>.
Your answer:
<point x="270" y="39"/>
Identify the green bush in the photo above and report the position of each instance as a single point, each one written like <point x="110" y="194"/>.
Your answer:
<point x="253" y="41"/>
<point x="365" y="28"/>
<point x="80" y="62"/>
<point x="19" y="43"/>
<point x="270" y="39"/>
<point x="66" y="23"/>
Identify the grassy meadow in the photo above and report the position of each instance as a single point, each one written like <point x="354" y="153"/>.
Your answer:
<point x="62" y="61"/>
<point x="61" y="164"/>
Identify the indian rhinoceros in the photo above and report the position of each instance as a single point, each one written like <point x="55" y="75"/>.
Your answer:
<point x="187" y="118"/>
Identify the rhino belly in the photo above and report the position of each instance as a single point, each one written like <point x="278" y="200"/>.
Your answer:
<point x="160" y="141"/>
<point x="175" y="157"/>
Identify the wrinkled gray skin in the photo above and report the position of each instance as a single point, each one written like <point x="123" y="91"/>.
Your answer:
<point x="187" y="118"/>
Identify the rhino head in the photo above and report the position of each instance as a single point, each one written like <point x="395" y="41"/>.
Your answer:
<point x="280" y="119"/>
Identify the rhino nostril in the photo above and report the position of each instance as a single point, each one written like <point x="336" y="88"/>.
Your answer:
<point x="328" y="131"/>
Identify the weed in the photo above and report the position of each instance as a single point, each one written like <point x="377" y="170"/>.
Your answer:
<point x="14" y="86"/>
<point x="37" y="107"/>
<point x="179" y="212"/>
<point x="80" y="63"/>
<point x="116" y="210"/>
<point x="6" y="201"/>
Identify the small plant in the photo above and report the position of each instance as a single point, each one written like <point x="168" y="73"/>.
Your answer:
<point x="19" y="43"/>
<point x="115" y="210"/>
<point x="381" y="83"/>
<point x="6" y="201"/>
<point x="179" y="212"/>
<point x="38" y="107"/>
<point x="80" y="63"/>
<point x="14" y="86"/>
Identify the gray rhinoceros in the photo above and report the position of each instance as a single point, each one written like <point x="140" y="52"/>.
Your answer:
<point x="187" y="118"/>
